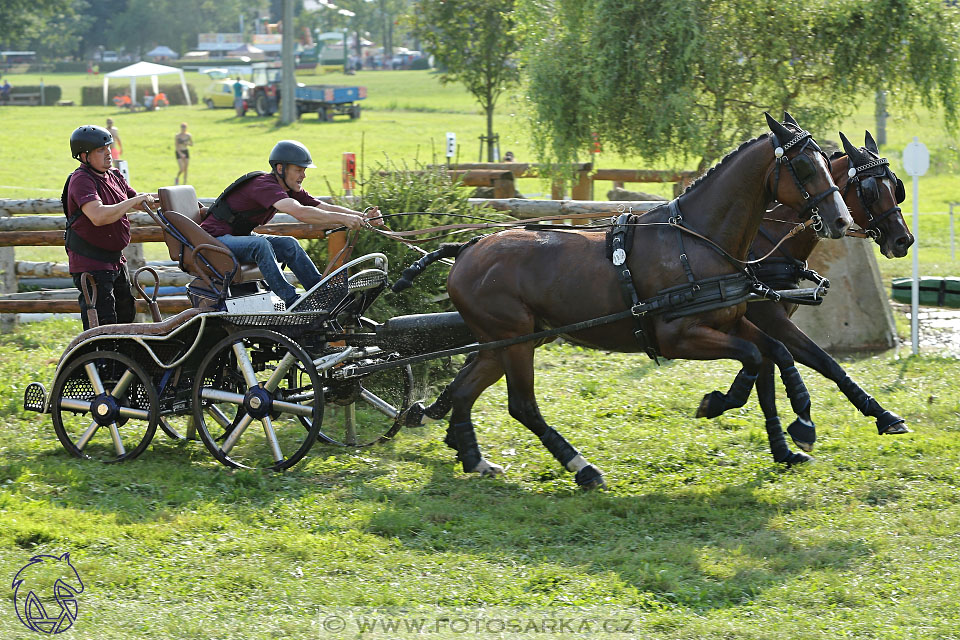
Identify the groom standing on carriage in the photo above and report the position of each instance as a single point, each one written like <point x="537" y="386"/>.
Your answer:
<point x="253" y="199"/>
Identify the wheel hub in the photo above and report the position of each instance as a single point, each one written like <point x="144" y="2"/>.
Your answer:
<point x="258" y="402"/>
<point x="105" y="409"/>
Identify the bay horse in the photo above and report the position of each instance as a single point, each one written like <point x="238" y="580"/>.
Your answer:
<point x="512" y="283"/>
<point x="873" y="194"/>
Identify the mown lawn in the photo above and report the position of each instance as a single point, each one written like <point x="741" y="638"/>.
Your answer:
<point x="699" y="535"/>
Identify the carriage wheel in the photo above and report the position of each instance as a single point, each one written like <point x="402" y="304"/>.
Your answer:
<point x="364" y="411"/>
<point x="257" y="376"/>
<point x="104" y="407"/>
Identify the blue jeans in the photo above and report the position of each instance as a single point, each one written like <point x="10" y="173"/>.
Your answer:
<point x="266" y="251"/>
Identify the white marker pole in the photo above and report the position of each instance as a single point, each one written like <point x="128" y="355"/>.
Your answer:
<point x="916" y="161"/>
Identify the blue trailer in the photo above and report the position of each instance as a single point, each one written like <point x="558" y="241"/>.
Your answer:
<point x="326" y="100"/>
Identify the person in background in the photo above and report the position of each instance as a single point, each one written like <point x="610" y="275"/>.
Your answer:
<point x="238" y="98"/>
<point x="96" y="200"/>
<point x="508" y="157"/>
<point x="5" y="91"/>
<point x="253" y="200"/>
<point x="160" y="101"/>
<point x="181" y="141"/>
<point x="116" y="149"/>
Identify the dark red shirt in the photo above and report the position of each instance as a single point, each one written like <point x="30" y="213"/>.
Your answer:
<point x="87" y="185"/>
<point x="261" y="192"/>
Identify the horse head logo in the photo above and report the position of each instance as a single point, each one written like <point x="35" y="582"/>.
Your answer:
<point x="45" y="593"/>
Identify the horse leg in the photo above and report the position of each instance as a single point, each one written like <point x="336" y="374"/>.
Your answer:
<point x="766" y="394"/>
<point x="715" y="402"/>
<point x="517" y="362"/>
<point x="802" y="430"/>
<point x="808" y="353"/>
<point x="418" y="415"/>
<point x="477" y="376"/>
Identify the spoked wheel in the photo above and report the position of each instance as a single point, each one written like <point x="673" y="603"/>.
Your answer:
<point x="104" y="407"/>
<point x="364" y="411"/>
<point x="257" y="376"/>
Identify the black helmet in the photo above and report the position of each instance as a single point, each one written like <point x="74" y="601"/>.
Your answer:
<point x="290" y="152"/>
<point x="87" y="138"/>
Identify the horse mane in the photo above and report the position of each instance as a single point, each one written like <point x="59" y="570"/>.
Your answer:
<point x="725" y="158"/>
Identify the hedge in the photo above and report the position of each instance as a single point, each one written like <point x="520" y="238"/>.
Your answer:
<point x="93" y="96"/>
<point x="81" y="67"/>
<point x="51" y="92"/>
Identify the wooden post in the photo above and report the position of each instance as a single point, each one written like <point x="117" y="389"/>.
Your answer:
<point x="8" y="281"/>
<point x="134" y="255"/>
<point x="504" y="187"/>
<point x="557" y="190"/>
<point x="581" y="190"/>
<point x="335" y="244"/>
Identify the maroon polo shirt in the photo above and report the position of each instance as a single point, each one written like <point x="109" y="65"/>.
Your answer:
<point x="261" y="192"/>
<point x="87" y="185"/>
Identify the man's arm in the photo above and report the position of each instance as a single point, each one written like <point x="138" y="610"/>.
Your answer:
<point x="101" y="214"/>
<point x="324" y="215"/>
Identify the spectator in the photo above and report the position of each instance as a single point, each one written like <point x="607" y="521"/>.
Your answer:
<point x="181" y="141"/>
<point x="5" y="91"/>
<point x="508" y="157"/>
<point x="161" y="100"/>
<point x="96" y="200"/>
<point x="116" y="149"/>
<point x="148" y="102"/>
<point x="123" y="101"/>
<point x="238" y="98"/>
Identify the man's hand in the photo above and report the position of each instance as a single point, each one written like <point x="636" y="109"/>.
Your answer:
<point x="372" y="217"/>
<point x="145" y="199"/>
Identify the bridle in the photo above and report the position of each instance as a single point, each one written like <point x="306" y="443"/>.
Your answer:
<point x="801" y="169"/>
<point x="865" y="179"/>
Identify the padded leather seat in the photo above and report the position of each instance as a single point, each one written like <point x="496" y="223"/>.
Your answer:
<point x="182" y="210"/>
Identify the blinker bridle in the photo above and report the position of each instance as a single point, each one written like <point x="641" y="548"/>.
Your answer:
<point x="801" y="169"/>
<point x="866" y="179"/>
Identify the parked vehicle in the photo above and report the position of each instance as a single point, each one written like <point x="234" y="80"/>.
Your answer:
<point x="325" y="100"/>
<point x="220" y="94"/>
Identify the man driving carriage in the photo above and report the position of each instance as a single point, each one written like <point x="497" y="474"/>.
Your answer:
<point x="96" y="200"/>
<point x="255" y="198"/>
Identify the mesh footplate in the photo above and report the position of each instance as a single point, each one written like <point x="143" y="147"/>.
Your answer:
<point x="34" y="397"/>
<point x="367" y="279"/>
<point x="326" y="297"/>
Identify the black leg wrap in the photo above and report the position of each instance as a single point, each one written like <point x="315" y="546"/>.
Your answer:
<point x="555" y="443"/>
<point x="889" y="423"/>
<point x="589" y="478"/>
<point x="463" y="439"/>
<point x="715" y="403"/>
<point x="803" y="435"/>
<point x="796" y="390"/>
<point x="779" y="448"/>
<point x="440" y="406"/>
<point x="860" y="399"/>
<point x="413" y="417"/>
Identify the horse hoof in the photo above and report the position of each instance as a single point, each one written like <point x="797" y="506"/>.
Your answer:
<point x="590" y="478"/>
<point x="414" y="416"/>
<point x="795" y="458"/>
<point x="803" y="435"/>
<point x="711" y="406"/>
<point x="486" y="468"/>
<point x="891" y="424"/>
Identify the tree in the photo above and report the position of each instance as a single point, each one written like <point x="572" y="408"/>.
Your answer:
<point x="475" y="43"/>
<point x="23" y="20"/>
<point x="690" y="77"/>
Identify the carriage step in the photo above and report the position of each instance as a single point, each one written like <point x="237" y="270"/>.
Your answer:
<point x="35" y="397"/>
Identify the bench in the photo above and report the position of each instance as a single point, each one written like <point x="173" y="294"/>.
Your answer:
<point x="29" y="99"/>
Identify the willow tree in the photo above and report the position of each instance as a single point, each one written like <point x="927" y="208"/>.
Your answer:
<point x="475" y="44"/>
<point x="690" y="78"/>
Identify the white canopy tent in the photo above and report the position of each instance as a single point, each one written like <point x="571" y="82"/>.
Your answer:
<point x="144" y="69"/>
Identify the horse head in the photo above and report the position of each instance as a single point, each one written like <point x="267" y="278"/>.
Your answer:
<point x="873" y="193"/>
<point x="802" y="180"/>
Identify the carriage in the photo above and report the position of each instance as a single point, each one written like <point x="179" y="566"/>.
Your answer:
<point x="239" y="357"/>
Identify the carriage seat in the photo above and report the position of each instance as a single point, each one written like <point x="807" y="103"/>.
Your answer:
<point x="182" y="211"/>
<point x="154" y="329"/>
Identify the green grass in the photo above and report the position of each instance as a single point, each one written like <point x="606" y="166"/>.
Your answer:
<point x="700" y="535"/>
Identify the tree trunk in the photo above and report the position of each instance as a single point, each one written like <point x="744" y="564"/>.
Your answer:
<point x="880" y="110"/>
<point x="490" y="142"/>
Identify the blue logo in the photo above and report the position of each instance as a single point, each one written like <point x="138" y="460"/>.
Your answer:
<point x="45" y="594"/>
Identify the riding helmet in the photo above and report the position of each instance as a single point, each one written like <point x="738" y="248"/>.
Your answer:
<point x="290" y="152"/>
<point x="87" y="138"/>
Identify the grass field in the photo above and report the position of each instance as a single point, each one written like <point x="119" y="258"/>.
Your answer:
<point x="699" y="535"/>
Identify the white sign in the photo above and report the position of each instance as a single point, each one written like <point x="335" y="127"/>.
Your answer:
<point x="451" y="144"/>
<point x="124" y="170"/>
<point x="916" y="158"/>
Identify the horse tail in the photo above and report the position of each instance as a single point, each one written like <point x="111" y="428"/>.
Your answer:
<point x="446" y="250"/>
